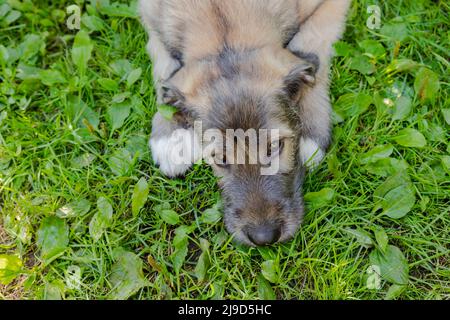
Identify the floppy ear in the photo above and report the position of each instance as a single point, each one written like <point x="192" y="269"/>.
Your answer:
<point x="172" y="96"/>
<point x="304" y="73"/>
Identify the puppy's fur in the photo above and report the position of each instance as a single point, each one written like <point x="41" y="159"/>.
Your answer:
<point x="247" y="64"/>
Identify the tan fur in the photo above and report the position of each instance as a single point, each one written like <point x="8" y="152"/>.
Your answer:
<point x="205" y="32"/>
<point x="248" y="64"/>
<point x="317" y="35"/>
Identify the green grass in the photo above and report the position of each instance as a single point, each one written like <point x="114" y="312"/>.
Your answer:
<point x="54" y="152"/>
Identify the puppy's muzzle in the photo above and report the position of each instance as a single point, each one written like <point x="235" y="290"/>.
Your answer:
<point x="263" y="234"/>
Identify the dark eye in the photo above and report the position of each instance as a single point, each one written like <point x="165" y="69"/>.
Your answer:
<point x="275" y="148"/>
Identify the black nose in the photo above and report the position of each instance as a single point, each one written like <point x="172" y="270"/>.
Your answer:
<point x="264" y="234"/>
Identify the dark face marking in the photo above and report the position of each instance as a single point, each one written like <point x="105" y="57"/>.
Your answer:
<point x="259" y="209"/>
<point x="290" y="33"/>
<point x="228" y="63"/>
<point x="309" y="57"/>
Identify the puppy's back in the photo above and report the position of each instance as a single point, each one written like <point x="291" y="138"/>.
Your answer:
<point x="198" y="28"/>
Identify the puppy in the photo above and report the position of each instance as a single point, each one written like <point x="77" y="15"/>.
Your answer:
<point x="252" y="66"/>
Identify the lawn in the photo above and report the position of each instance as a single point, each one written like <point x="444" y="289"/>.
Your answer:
<point x="84" y="213"/>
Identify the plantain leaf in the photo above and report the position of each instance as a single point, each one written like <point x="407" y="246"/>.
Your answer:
<point x="319" y="198"/>
<point x="82" y="50"/>
<point x="127" y="276"/>
<point x="426" y="84"/>
<point x="410" y="138"/>
<point x="10" y="267"/>
<point x="102" y="218"/>
<point x="52" y="237"/>
<point x="269" y="270"/>
<point x="393" y="265"/>
<point x="140" y="195"/>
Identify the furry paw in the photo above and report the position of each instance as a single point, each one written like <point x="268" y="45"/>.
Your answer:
<point x="310" y="153"/>
<point x="176" y="153"/>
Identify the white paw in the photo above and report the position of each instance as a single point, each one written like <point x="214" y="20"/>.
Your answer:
<point x="310" y="153"/>
<point x="176" y="154"/>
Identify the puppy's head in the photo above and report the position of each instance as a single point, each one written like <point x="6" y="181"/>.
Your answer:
<point x="247" y="105"/>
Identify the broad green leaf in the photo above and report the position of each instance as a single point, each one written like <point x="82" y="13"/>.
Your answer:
<point x="121" y="162"/>
<point x="52" y="237"/>
<point x="73" y="209"/>
<point x="3" y="116"/>
<point x="169" y="216"/>
<point x="343" y="49"/>
<point x="167" y="111"/>
<point x="160" y="207"/>
<point x="180" y="244"/>
<point x="119" y="10"/>
<point x="140" y="195"/>
<point x="121" y="97"/>
<point x="203" y="262"/>
<point x="399" y="201"/>
<point x="51" y="77"/>
<point x="121" y="68"/>
<point x="134" y="76"/>
<point x="394" y="291"/>
<point x="82" y="50"/>
<point x="386" y="167"/>
<point x="382" y="239"/>
<point x="377" y="153"/>
<point x="54" y="290"/>
<point x="394" y="181"/>
<point x="372" y="47"/>
<point x="319" y="198"/>
<point x="361" y="236"/>
<point x="269" y="270"/>
<point x="108" y="84"/>
<point x="426" y="84"/>
<point x="118" y="113"/>
<point x="220" y="238"/>
<point x="352" y="104"/>
<point x="102" y="218"/>
<point x="10" y="267"/>
<point x="212" y="215"/>
<point x="93" y="23"/>
<point x="265" y="291"/>
<point x="127" y="276"/>
<point x="401" y="65"/>
<point x="30" y="281"/>
<point x="393" y="265"/>
<point x="395" y="31"/>
<point x="396" y="196"/>
<point x="30" y="47"/>
<point x="362" y="64"/>
<point x="219" y="290"/>
<point x="446" y="114"/>
<point x="436" y="133"/>
<point x="4" y="54"/>
<point x="12" y="16"/>
<point x="410" y="138"/>
<point x="137" y="146"/>
<point x="83" y="161"/>
<point x="19" y="224"/>
<point x="79" y="112"/>
<point x="402" y="108"/>
<point x="267" y="253"/>
<point x="446" y="162"/>
<point x="4" y="9"/>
